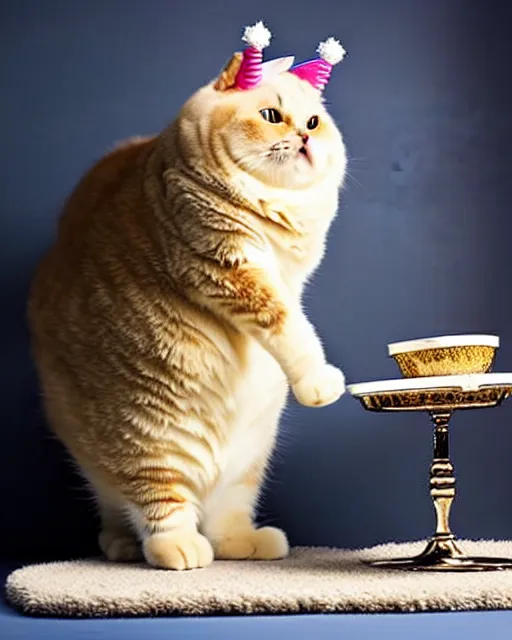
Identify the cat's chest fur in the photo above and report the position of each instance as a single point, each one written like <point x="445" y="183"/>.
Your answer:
<point x="260" y="391"/>
<point x="259" y="396"/>
<point x="298" y="251"/>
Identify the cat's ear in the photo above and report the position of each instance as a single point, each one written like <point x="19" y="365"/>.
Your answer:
<point x="227" y="78"/>
<point x="272" y="68"/>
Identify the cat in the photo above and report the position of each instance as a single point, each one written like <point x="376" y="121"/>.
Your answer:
<point x="166" y="320"/>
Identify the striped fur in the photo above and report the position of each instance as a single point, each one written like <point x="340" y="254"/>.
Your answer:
<point x="167" y="325"/>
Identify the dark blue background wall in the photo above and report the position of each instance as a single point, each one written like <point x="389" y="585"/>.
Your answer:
<point x="421" y="246"/>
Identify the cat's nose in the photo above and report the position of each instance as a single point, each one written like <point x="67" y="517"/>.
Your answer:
<point x="304" y="138"/>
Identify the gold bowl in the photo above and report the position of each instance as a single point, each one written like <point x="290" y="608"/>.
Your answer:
<point x="445" y="355"/>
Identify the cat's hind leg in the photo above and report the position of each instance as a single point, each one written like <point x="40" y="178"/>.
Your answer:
<point x="165" y="516"/>
<point x="230" y="528"/>
<point x="117" y="540"/>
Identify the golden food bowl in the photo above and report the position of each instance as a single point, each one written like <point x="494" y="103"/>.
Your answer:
<point x="445" y="355"/>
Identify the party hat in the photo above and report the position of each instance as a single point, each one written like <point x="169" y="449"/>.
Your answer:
<point x="317" y="72"/>
<point x="250" y="73"/>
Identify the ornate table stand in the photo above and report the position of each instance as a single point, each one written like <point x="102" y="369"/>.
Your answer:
<point x="442" y="551"/>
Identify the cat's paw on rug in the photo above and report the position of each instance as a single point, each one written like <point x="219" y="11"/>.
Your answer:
<point x="178" y="550"/>
<point x="267" y="543"/>
<point x="119" y="548"/>
<point x="320" y="387"/>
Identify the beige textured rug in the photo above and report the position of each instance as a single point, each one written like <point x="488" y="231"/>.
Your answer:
<point x="311" y="580"/>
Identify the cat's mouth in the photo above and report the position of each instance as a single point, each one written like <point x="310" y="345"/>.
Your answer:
<point x="305" y="152"/>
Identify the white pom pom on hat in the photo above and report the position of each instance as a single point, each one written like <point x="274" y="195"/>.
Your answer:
<point x="257" y="36"/>
<point x="331" y="51"/>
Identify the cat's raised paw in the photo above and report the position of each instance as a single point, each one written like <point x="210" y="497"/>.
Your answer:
<point x="178" y="550"/>
<point x="267" y="543"/>
<point x="320" y="387"/>
<point x="119" y="548"/>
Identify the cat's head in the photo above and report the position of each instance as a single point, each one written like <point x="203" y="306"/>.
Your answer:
<point x="267" y="120"/>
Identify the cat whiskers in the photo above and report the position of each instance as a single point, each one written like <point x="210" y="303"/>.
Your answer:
<point x="255" y="164"/>
<point x="280" y="151"/>
<point x="251" y="161"/>
<point x="351" y="177"/>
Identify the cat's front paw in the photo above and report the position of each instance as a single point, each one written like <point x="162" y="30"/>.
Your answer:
<point x="267" y="543"/>
<point x="320" y="387"/>
<point x="178" y="550"/>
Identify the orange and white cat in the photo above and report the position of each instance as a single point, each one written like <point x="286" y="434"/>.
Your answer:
<point x="167" y="323"/>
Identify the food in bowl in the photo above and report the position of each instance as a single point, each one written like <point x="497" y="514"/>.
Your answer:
<point x="445" y="355"/>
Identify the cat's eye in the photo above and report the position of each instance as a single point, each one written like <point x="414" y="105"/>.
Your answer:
<point x="271" y="115"/>
<point x="313" y="122"/>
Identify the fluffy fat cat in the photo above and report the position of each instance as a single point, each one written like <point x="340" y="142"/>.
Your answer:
<point x="167" y="324"/>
